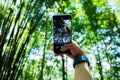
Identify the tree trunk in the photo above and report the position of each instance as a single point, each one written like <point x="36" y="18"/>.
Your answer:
<point x="63" y="67"/>
<point x="66" y="69"/>
<point x="99" y="65"/>
<point x="43" y="60"/>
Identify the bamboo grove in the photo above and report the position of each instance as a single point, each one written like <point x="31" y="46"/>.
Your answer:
<point x="26" y="34"/>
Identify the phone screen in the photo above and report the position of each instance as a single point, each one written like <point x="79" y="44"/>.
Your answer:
<point x="62" y="31"/>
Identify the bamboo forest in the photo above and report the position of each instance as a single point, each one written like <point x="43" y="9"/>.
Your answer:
<point x="26" y="32"/>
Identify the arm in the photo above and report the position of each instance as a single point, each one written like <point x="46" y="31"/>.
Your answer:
<point x="82" y="71"/>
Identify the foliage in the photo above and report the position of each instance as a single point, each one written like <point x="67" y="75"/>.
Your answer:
<point x="26" y="33"/>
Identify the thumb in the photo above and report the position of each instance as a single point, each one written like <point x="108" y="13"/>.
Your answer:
<point x="65" y="47"/>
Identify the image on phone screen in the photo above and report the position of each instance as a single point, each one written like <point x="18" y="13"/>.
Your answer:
<point x="62" y="31"/>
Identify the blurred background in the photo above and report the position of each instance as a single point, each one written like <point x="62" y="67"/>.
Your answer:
<point x="26" y="34"/>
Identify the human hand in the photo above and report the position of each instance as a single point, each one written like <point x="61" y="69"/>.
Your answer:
<point x="74" y="48"/>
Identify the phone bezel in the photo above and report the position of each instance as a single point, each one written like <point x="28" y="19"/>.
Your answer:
<point x="63" y="16"/>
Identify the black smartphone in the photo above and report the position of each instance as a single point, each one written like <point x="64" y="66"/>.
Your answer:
<point x="62" y="32"/>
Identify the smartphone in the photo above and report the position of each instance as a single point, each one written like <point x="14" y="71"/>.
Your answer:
<point x="62" y="32"/>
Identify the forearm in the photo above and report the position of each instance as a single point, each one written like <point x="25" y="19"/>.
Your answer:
<point x="82" y="71"/>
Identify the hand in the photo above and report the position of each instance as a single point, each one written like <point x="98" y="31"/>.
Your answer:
<point x="74" y="48"/>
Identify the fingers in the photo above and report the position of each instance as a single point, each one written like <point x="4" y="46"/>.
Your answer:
<point x="65" y="47"/>
<point x="52" y="48"/>
<point x="57" y="54"/>
<point x="71" y="56"/>
<point x="52" y="44"/>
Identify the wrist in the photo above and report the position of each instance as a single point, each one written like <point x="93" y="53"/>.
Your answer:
<point x="80" y="54"/>
<point x="80" y="59"/>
